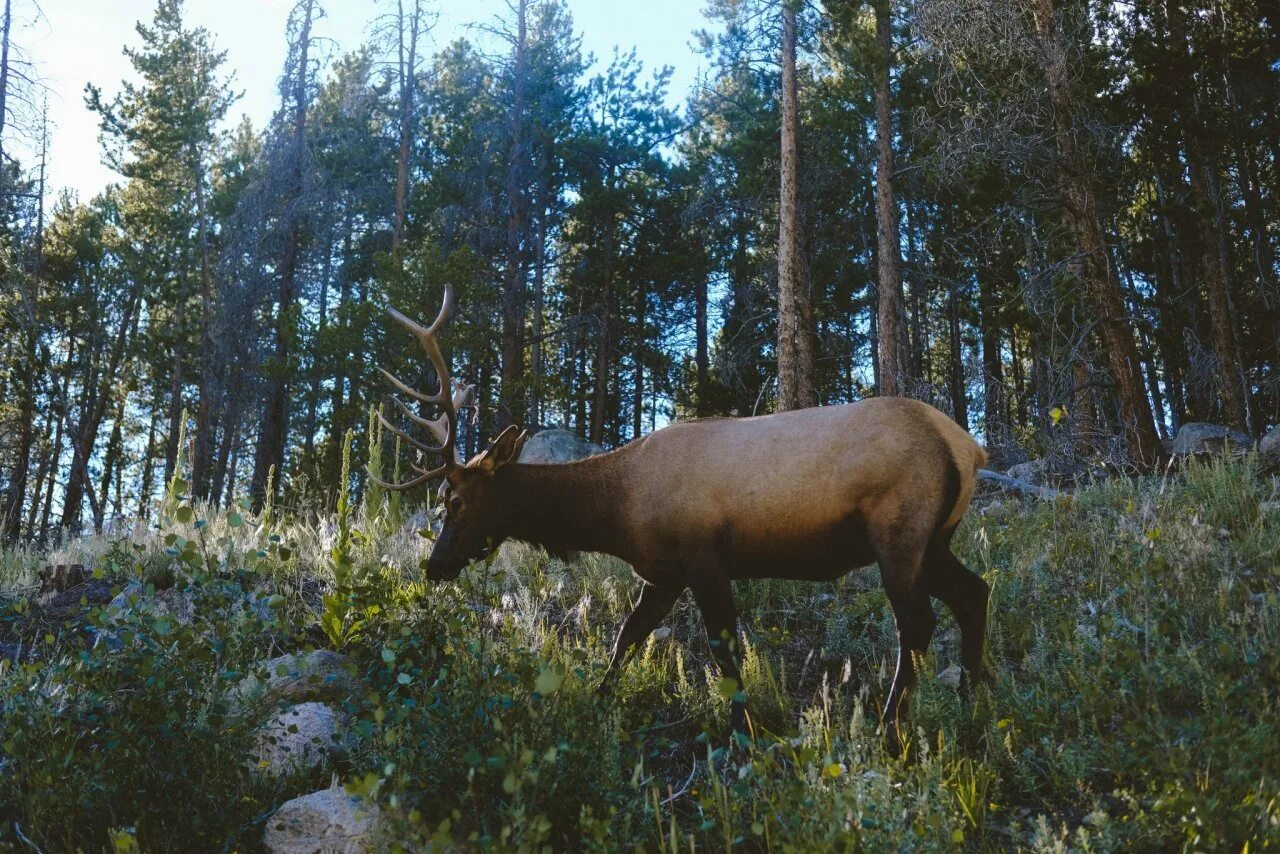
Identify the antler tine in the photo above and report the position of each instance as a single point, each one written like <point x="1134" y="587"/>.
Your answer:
<point x="410" y="484"/>
<point x="439" y="428"/>
<point x="444" y="427"/>
<point x="406" y="389"/>
<point x="411" y="441"/>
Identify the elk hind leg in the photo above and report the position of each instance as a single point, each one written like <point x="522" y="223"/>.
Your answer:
<point x="900" y="571"/>
<point x="966" y="594"/>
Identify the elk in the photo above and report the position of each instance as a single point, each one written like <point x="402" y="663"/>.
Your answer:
<point x="809" y="495"/>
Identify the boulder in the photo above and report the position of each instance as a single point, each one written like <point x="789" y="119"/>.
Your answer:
<point x="329" y="821"/>
<point x="300" y="677"/>
<point x="1034" y="471"/>
<point x="1200" y="438"/>
<point x="177" y="604"/>
<point x="557" y="446"/>
<point x="300" y="738"/>
<point x="1269" y="447"/>
<point x="171" y="602"/>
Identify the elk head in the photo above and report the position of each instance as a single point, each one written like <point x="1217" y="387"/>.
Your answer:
<point x="473" y="521"/>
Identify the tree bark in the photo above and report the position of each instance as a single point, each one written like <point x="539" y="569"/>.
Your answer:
<point x="408" y="70"/>
<point x="204" y="410"/>
<point x="514" y="282"/>
<point x="994" y="400"/>
<point x="4" y="71"/>
<point x="959" y="398"/>
<point x="275" y="421"/>
<point x="91" y="419"/>
<point x="795" y="340"/>
<point x="1101" y="283"/>
<point x="892" y="366"/>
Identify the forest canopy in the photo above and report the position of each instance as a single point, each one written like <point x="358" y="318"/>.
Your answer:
<point x="1054" y="220"/>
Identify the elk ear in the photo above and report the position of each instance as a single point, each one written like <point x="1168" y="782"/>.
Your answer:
<point x="504" y="449"/>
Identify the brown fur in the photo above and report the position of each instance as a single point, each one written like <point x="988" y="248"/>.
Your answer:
<point x="809" y="494"/>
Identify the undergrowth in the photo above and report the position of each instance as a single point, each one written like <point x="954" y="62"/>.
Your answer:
<point x="1134" y="654"/>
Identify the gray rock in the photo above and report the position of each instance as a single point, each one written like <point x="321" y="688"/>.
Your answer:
<point x="1034" y="471"/>
<point x="300" y="677"/>
<point x="328" y="821"/>
<point x="1200" y="438"/>
<point x="557" y="446"/>
<point x="173" y="602"/>
<point x="950" y="677"/>
<point x="301" y="738"/>
<point x="1269" y="447"/>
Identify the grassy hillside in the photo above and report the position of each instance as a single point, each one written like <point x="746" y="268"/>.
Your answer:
<point x="1134" y="646"/>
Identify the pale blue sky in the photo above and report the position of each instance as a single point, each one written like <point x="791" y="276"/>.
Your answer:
<point x="80" y="41"/>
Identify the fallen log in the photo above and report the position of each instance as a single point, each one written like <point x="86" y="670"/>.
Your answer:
<point x="1005" y="482"/>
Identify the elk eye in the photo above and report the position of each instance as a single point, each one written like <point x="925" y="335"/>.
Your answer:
<point x="455" y="504"/>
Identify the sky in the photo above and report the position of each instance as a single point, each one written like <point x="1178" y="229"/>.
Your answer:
<point x="81" y="41"/>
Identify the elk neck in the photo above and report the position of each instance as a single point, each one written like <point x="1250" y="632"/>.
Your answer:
<point x="573" y="506"/>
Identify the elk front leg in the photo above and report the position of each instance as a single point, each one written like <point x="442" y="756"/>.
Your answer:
<point x="714" y="596"/>
<point x="655" y="603"/>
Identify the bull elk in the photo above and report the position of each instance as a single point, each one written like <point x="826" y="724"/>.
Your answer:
<point x="808" y="495"/>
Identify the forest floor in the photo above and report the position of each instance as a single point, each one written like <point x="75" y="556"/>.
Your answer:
<point x="1134" y="652"/>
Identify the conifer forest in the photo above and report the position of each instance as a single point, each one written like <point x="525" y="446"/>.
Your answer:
<point x="1055" y="221"/>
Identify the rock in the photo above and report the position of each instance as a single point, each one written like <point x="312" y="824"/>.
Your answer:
<point x="661" y="633"/>
<point x="299" y="677"/>
<point x="1035" y="472"/>
<point x="172" y="602"/>
<point x="1200" y="438"/>
<point x="557" y="446"/>
<point x="950" y="677"/>
<point x="301" y="738"/>
<point x="329" y="821"/>
<point x="1269" y="447"/>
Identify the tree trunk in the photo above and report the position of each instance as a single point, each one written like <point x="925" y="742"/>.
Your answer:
<point x="408" y="72"/>
<point x="892" y="378"/>
<point x="994" y="400"/>
<point x="275" y="421"/>
<point x="1215" y="263"/>
<point x="4" y="72"/>
<point x="115" y="451"/>
<point x="959" y="399"/>
<point x="702" y="357"/>
<point x="230" y="429"/>
<point x="600" y="401"/>
<point x="91" y="418"/>
<point x="204" y="410"/>
<point x="514" y="284"/>
<point x="637" y="405"/>
<point x="1102" y="287"/>
<point x="26" y="379"/>
<point x="148" y="470"/>
<point x="539" y="288"/>
<point x="795" y="340"/>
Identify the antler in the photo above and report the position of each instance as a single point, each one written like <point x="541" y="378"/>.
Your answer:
<point x="448" y="398"/>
